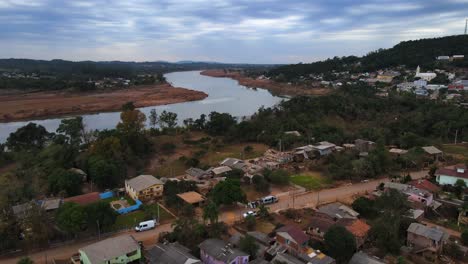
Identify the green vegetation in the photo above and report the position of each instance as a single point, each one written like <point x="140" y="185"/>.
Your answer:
<point x="228" y="192"/>
<point x="311" y="180"/>
<point x="249" y="245"/>
<point x="340" y="243"/>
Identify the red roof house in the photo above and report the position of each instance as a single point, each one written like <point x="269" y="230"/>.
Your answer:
<point x="425" y="185"/>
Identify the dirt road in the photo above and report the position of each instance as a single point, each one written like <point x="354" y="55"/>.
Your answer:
<point x="51" y="104"/>
<point x="66" y="251"/>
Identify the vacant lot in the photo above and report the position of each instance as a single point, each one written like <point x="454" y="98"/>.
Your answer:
<point x="311" y="180"/>
<point x="130" y="220"/>
<point x="460" y="151"/>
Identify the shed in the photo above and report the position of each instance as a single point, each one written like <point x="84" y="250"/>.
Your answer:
<point x="193" y="198"/>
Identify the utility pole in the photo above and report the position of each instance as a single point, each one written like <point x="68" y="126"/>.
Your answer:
<point x="466" y="26"/>
<point x="99" y="229"/>
<point x="456" y="136"/>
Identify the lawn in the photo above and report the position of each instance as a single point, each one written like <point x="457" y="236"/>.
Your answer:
<point x="458" y="150"/>
<point x="130" y="220"/>
<point x="311" y="180"/>
<point x="264" y="226"/>
<point x="213" y="157"/>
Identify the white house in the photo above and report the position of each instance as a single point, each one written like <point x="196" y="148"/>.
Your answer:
<point x="427" y="76"/>
<point x="450" y="175"/>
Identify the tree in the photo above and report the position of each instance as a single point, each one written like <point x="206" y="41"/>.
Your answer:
<point x="168" y="119"/>
<point x="153" y="118"/>
<point x="211" y="212"/>
<point x="228" y="192"/>
<point x="61" y="180"/>
<point x="71" y="217"/>
<point x="460" y="185"/>
<point x="29" y="137"/>
<point x="105" y="173"/>
<point x="365" y="207"/>
<point x="132" y="123"/>
<point x="249" y="246"/>
<point x="100" y="215"/>
<point x="128" y="106"/>
<point x="187" y="210"/>
<point x="464" y="237"/>
<point x="263" y="211"/>
<point x="220" y="123"/>
<point x="279" y="177"/>
<point x="340" y="243"/>
<point x="25" y="260"/>
<point x="248" y="149"/>
<point x="250" y="221"/>
<point x="385" y="233"/>
<point x="260" y="184"/>
<point x="73" y="129"/>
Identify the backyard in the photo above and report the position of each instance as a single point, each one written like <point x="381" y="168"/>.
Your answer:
<point x="130" y="220"/>
<point x="311" y="180"/>
<point x="460" y="151"/>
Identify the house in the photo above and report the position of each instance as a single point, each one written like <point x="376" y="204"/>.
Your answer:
<point x="338" y="210"/>
<point x="170" y="253"/>
<point x="415" y="214"/>
<point x="324" y="148"/>
<point x="450" y="175"/>
<point x="293" y="133"/>
<point x="459" y="85"/>
<point x="427" y="76"/>
<point x="415" y="195"/>
<point x="362" y="258"/>
<point x="446" y="58"/>
<point x="458" y="57"/>
<point x="233" y="163"/>
<point x="312" y="257"/>
<point x="219" y="171"/>
<point x="364" y="145"/>
<point x="144" y="188"/>
<point x="425" y="241"/>
<point x="433" y="152"/>
<point x="358" y="228"/>
<point x="192" y="198"/>
<point x="121" y="249"/>
<point x="197" y="173"/>
<point x="84" y="199"/>
<point x="424" y="184"/>
<point x="216" y="251"/>
<point x="52" y="204"/>
<point x="397" y="152"/>
<point x="293" y="239"/>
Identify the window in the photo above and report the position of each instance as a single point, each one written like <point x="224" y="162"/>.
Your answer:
<point x="288" y="242"/>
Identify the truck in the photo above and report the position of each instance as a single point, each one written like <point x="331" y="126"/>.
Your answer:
<point x="146" y="225"/>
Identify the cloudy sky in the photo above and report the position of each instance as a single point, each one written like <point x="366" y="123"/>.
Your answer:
<point x="252" y="31"/>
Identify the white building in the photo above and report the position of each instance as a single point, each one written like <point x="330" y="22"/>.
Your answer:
<point x="427" y="76"/>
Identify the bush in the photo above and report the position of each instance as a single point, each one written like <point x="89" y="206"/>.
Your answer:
<point x="464" y="237"/>
<point x="279" y="177"/>
<point x="168" y="148"/>
<point x="261" y="185"/>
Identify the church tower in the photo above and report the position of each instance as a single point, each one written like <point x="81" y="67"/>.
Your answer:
<point x="418" y="70"/>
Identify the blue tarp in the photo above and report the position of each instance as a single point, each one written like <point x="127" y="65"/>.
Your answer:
<point x="106" y="195"/>
<point x="130" y="208"/>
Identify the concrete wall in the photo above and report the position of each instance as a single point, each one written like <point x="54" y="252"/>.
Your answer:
<point x="449" y="180"/>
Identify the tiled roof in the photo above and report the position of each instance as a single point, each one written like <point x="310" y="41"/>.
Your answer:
<point x="425" y="185"/>
<point x="452" y="172"/>
<point x="191" y="197"/>
<point x="110" y="248"/>
<point x="357" y="227"/>
<point x="295" y="233"/>
<point x="84" y="199"/>
<point x="142" y="182"/>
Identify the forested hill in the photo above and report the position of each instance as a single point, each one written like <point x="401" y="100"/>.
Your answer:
<point x="107" y="68"/>
<point x="410" y="53"/>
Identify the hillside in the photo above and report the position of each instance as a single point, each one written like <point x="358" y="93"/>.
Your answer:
<point x="410" y="53"/>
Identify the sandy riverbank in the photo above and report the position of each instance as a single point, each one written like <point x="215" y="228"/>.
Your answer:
<point x="274" y="87"/>
<point x="15" y="107"/>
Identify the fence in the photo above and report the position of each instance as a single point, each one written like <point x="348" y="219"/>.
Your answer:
<point x="106" y="195"/>
<point x="129" y="209"/>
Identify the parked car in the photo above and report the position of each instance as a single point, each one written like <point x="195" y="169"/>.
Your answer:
<point x="146" y="225"/>
<point x="269" y="199"/>
<point x="249" y="213"/>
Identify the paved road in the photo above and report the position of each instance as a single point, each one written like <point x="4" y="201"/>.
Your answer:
<point x="66" y="251"/>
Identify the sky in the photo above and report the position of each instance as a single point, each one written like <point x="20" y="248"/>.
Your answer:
<point x="236" y="31"/>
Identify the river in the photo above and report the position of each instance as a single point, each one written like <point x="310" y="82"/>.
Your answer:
<point x="224" y="95"/>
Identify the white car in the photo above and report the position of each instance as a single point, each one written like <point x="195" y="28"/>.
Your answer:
<point x="249" y="213"/>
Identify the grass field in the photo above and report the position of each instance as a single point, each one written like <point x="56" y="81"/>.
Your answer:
<point x="213" y="157"/>
<point x="458" y="150"/>
<point x="311" y="180"/>
<point x="132" y="219"/>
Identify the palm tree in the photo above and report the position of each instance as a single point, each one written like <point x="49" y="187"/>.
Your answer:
<point x="263" y="211"/>
<point x="211" y="212"/>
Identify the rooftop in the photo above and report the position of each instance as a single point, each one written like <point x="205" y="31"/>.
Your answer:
<point x="428" y="232"/>
<point x="84" y="199"/>
<point x="230" y="162"/>
<point x="110" y="248"/>
<point x="195" y="172"/>
<point x="425" y="185"/>
<point x="338" y="210"/>
<point x="142" y="182"/>
<point x="220" y="170"/>
<point x="173" y="253"/>
<point x="362" y="258"/>
<point x="458" y="171"/>
<point x="221" y="251"/>
<point x="432" y="150"/>
<point x="294" y="232"/>
<point x="191" y="197"/>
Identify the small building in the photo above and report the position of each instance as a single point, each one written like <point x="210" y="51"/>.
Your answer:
<point x="338" y="210"/>
<point x="450" y="175"/>
<point x="121" y="249"/>
<point x="216" y="251"/>
<point x="293" y="239"/>
<point x="443" y="58"/>
<point x="424" y="184"/>
<point x="52" y="204"/>
<point x="220" y="171"/>
<point x="425" y="241"/>
<point x="197" y="173"/>
<point x="84" y="199"/>
<point x="170" y="253"/>
<point x="427" y="76"/>
<point x="397" y="152"/>
<point x="144" y="188"/>
<point x="415" y="195"/>
<point x="433" y="152"/>
<point x="414" y="214"/>
<point x="362" y="258"/>
<point x="458" y="57"/>
<point x="293" y="133"/>
<point x="192" y="198"/>
<point x="364" y="145"/>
